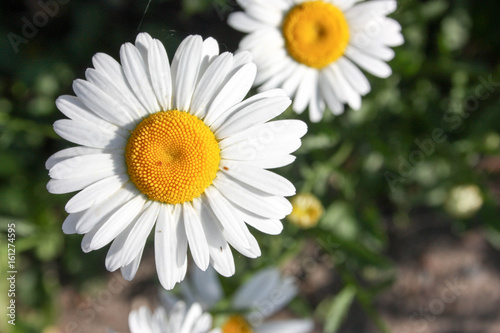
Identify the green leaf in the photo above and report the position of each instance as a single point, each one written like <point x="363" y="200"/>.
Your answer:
<point x="339" y="309"/>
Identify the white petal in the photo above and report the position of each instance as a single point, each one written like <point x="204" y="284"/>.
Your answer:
<point x="107" y="85"/>
<point x="103" y="211"/>
<point x="286" y="291"/>
<point x="258" y="288"/>
<point x="292" y="82"/>
<point x="68" y="153"/>
<point x="114" y="257"/>
<point x="117" y="222"/>
<point x="192" y="315"/>
<point x="159" y="69"/>
<point x="114" y="71"/>
<point x="102" y="104"/>
<point x="344" y="5"/>
<point x="341" y="87"/>
<point x="130" y="270"/>
<point x="232" y="224"/>
<point x="272" y="163"/>
<point x="368" y="63"/>
<point x="232" y="93"/>
<point x="354" y="76"/>
<point x="244" y="23"/>
<point x="304" y="90"/>
<point x="196" y="236"/>
<point x="316" y="104"/>
<point x="60" y="186"/>
<point x="209" y="84"/>
<point x="210" y="51"/>
<point x="369" y="9"/>
<point x="69" y="224"/>
<point x="89" y="135"/>
<point x="220" y="252"/>
<point x="73" y="108"/>
<point x="289" y="326"/>
<point x="170" y="246"/>
<point x="267" y="226"/>
<point x="185" y="70"/>
<point x="272" y="64"/>
<point x="251" y="251"/>
<point x="278" y="79"/>
<point x="177" y="315"/>
<point x="265" y="13"/>
<point x="258" y="178"/>
<point x="328" y="94"/>
<point x="138" y="77"/>
<point x="251" y="199"/>
<point x="88" y="166"/>
<point x="253" y="150"/>
<point x="140" y="232"/>
<point x="140" y="320"/>
<point x="143" y="43"/>
<point x="255" y="113"/>
<point x="203" y="323"/>
<point x="222" y="119"/>
<point x="96" y="193"/>
<point x="267" y="132"/>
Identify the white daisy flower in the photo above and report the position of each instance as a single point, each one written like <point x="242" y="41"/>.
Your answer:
<point x="262" y="296"/>
<point x="311" y="48"/>
<point x="194" y="320"/>
<point x="176" y="145"/>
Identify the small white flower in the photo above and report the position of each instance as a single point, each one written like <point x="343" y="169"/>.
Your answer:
<point x="262" y="296"/>
<point x="310" y="48"/>
<point x="464" y="201"/>
<point x="174" y="145"/>
<point x="194" y="320"/>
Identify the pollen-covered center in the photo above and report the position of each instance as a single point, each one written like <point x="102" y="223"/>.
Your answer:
<point x="236" y="324"/>
<point x="316" y="33"/>
<point x="172" y="157"/>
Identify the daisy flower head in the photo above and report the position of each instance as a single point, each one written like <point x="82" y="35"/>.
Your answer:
<point x="174" y="145"/>
<point x="312" y="48"/>
<point x="250" y="307"/>
<point x="307" y="210"/>
<point x="179" y="319"/>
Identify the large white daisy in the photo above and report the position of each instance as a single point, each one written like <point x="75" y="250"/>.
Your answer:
<point x="178" y="320"/>
<point x="311" y="48"/>
<point x="176" y="145"/>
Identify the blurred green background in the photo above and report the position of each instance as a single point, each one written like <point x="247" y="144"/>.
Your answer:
<point x="423" y="148"/>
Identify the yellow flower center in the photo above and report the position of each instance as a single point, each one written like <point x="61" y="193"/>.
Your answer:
<point x="307" y="210"/>
<point x="172" y="157"/>
<point x="316" y="33"/>
<point x="236" y="324"/>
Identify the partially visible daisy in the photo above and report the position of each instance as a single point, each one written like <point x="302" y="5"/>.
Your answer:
<point x="262" y="296"/>
<point x="174" y="145"/>
<point x="311" y="48"/>
<point x="178" y="320"/>
<point x="307" y="210"/>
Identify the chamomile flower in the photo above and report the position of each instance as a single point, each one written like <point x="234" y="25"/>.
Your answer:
<point x="176" y="146"/>
<point x="307" y="210"/>
<point x="179" y="319"/>
<point x="262" y="296"/>
<point x="312" y="49"/>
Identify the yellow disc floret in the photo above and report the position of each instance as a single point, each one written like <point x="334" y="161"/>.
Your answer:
<point x="236" y="324"/>
<point x="316" y="33"/>
<point x="172" y="157"/>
